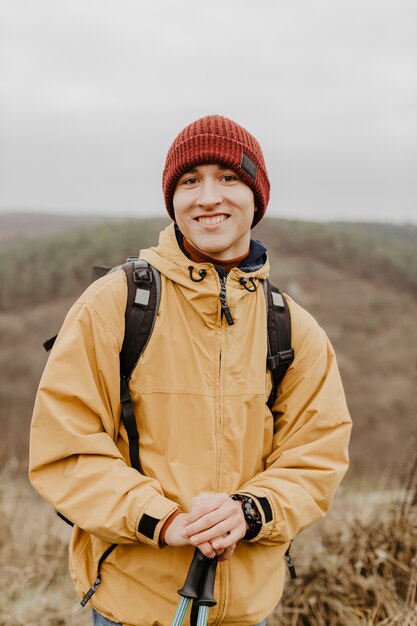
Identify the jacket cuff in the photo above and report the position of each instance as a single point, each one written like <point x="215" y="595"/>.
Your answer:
<point x="166" y="525"/>
<point x="152" y="519"/>
<point x="265" y="509"/>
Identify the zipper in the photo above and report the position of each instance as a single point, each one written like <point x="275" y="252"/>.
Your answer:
<point x="219" y="426"/>
<point x="221" y="335"/>
<point x="96" y="584"/>
<point x="290" y="563"/>
<point x="91" y="591"/>
<point x="223" y="301"/>
<point x="225" y="311"/>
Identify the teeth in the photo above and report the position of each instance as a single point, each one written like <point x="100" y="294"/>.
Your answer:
<point x="216" y="219"/>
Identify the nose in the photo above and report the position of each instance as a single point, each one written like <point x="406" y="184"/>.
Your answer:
<point x="209" y="195"/>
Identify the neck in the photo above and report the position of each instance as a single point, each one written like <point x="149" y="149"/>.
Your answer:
<point x="199" y="257"/>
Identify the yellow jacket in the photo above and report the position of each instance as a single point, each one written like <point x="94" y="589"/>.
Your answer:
<point x="200" y="392"/>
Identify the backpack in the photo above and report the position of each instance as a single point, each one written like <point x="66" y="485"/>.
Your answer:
<point x="143" y="298"/>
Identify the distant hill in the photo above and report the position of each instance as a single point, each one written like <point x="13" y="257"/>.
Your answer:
<point x="358" y="280"/>
<point x="20" y="225"/>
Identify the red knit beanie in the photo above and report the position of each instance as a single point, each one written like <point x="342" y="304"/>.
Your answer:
<point x="216" y="139"/>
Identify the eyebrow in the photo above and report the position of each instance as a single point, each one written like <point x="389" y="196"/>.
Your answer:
<point x="194" y="169"/>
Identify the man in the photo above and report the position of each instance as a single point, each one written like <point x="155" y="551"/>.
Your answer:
<point x="220" y="470"/>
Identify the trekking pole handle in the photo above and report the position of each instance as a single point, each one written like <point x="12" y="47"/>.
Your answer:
<point x="196" y="570"/>
<point x="206" y="590"/>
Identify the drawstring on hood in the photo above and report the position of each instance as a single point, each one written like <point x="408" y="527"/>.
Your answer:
<point x="244" y="282"/>
<point x="202" y="274"/>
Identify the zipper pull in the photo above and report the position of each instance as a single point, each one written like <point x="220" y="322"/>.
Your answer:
<point x="91" y="591"/>
<point x="290" y="564"/>
<point x="222" y="296"/>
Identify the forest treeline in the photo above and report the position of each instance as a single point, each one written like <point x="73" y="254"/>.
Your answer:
<point x="45" y="268"/>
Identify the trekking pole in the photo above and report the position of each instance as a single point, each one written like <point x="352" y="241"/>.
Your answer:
<point x="205" y="595"/>
<point x="189" y="591"/>
<point x="198" y="586"/>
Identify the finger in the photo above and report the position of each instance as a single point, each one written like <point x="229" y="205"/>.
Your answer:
<point x="220" y="551"/>
<point x="210" y="512"/>
<point x="203" y="522"/>
<point x="222" y="529"/>
<point x="198" y="511"/>
<point x="222" y="520"/>
<point x="207" y="503"/>
<point x="227" y="554"/>
<point x="223" y="543"/>
<point x="207" y="549"/>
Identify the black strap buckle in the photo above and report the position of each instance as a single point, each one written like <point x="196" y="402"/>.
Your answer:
<point x="142" y="277"/>
<point x="281" y="358"/>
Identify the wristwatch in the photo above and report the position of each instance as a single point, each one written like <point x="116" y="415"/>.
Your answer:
<point x="251" y="514"/>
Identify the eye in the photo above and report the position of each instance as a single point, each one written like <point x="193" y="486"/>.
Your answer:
<point x="191" y="180"/>
<point x="228" y="178"/>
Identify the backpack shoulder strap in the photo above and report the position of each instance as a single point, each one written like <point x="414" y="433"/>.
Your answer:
<point x="280" y="352"/>
<point x="144" y="293"/>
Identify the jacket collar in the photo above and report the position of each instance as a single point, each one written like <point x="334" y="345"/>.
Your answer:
<point x="252" y="262"/>
<point x="169" y="258"/>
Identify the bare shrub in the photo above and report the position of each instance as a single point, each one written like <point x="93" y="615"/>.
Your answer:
<point x="368" y="577"/>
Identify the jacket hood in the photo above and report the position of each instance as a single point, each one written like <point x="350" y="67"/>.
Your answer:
<point x="254" y="260"/>
<point x="171" y="261"/>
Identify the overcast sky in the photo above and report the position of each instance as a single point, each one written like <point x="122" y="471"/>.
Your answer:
<point x="92" y="92"/>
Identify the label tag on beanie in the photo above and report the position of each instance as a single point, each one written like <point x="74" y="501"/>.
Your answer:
<point x="248" y="166"/>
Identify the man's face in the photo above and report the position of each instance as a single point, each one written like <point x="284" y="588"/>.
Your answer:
<point x="214" y="210"/>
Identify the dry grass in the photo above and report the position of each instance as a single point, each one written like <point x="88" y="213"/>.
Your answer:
<point x="34" y="584"/>
<point x="365" y="574"/>
<point x="357" y="567"/>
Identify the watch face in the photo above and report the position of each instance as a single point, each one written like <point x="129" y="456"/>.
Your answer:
<point x="255" y="513"/>
<point x="249" y="507"/>
<point x="250" y="511"/>
<point x="252" y="515"/>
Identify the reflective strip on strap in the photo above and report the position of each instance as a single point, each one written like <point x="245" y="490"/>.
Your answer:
<point x="277" y="299"/>
<point x="142" y="297"/>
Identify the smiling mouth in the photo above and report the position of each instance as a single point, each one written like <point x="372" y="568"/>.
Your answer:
<point x="215" y="219"/>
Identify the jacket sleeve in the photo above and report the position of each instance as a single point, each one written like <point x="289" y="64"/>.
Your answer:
<point x="75" y="463"/>
<point x="311" y="435"/>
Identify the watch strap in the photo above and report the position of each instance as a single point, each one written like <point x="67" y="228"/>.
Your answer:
<point x="251" y="514"/>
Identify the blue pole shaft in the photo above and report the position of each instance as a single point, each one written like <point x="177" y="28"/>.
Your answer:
<point x="181" y="611"/>
<point x="202" y="616"/>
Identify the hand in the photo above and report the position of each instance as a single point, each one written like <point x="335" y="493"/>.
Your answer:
<point x="174" y="536"/>
<point x="215" y="519"/>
